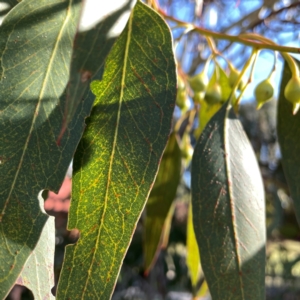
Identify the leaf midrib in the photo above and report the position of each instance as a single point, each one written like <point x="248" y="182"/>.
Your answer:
<point x="230" y="192"/>
<point x="113" y="148"/>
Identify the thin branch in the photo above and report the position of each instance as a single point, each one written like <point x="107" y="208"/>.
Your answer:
<point x="232" y="38"/>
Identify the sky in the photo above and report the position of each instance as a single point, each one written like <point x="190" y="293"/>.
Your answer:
<point x="212" y="19"/>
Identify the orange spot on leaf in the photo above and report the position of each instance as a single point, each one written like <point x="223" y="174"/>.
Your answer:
<point x="85" y="75"/>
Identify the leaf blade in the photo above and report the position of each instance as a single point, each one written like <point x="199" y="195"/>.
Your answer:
<point x="207" y="111"/>
<point x="228" y="207"/>
<point x="34" y="72"/>
<point x="193" y="256"/>
<point x="118" y="157"/>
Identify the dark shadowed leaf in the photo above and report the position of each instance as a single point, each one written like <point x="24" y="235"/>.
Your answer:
<point x="205" y="114"/>
<point x="160" y="200"/>
<point x="117" y="160"/>
<point x="97" y="32"/>
<point x="228" y="210"/>
<point x="288" y="130"/>
<point x="36" y="40"/>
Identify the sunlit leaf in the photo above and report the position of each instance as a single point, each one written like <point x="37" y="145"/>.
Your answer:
<point x="193" y="257"/>
<point x="288" y="130"/>
<point x="160" y="199"/>
<point x="35" y="49"/>
<point x="229" y="210"/>
<point x="117" y="160"/>
<point x="205" y="114"/>
<point x="203" y="290"/>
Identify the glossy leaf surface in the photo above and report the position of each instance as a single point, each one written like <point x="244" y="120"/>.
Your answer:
<point x="229" y="210"/>
<point x="35" y="48"/>
<point x="117" y="160"/>
<point x="288" y="130"/>
<point x="160" y="199"/>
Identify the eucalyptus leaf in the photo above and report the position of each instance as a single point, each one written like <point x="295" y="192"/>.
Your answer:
<point x="35" y="59"/>
<point x="117" y="160"/>
<point x="229" y="210"/>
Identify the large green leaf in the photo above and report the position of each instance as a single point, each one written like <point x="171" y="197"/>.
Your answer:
<point x="36" y="40"/>
<point x="288" y="130"/>
<point x="160" y="199"/>
<point x="205" y="114"/>
<point x="229" y="210"/>
<point x="117" y="160"/>
<point x="94" y="39"/>
<point x="37" y="274"/>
